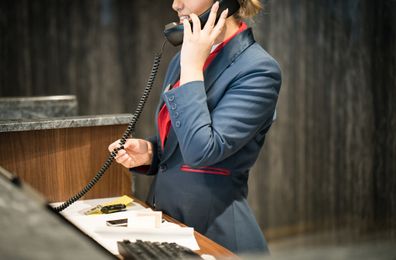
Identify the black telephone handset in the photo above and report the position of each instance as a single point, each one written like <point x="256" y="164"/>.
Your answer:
<point x="174" y="31"/>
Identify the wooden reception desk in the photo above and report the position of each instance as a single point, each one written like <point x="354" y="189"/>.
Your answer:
<point x="58" y="157"/>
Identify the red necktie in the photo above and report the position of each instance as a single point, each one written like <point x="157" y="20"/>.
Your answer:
<point x="164" y="122"/>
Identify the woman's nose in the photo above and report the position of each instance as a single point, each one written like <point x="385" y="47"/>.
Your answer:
<point x="177" y="5"/>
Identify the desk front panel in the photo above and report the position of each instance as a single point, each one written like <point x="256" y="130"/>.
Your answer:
<point x="60" y="162"/>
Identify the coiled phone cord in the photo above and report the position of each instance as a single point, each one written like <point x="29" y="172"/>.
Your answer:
<point x="127" y="133"/>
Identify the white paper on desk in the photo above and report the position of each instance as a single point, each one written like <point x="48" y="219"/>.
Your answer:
<point x="141" y="222"/>
<point x="95" y="226"/>
<point x="150" y="219"/>
<point x="90" y="222"/>
<point x="181" y="235"/>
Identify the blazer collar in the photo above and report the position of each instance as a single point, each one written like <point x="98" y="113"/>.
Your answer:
<point x="227" y="56"/>
<point x="222" y="61"/>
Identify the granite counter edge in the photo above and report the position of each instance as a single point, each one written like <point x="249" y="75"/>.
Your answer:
<point x="64" y="122"/>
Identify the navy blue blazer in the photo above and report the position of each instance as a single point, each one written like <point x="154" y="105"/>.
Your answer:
<point x="218" y="129"/>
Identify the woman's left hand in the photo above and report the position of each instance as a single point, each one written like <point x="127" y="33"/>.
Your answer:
<point x="197" y="44"/>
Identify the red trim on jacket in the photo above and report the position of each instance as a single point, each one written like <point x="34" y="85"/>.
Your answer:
<point x="206" y="170"/>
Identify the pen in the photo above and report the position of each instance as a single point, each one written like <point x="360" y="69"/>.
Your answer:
<point x="112" y="208"/>
<point x="106" y="209"/>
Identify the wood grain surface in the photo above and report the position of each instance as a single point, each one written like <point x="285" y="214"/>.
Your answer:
<point x="60" y="162"/>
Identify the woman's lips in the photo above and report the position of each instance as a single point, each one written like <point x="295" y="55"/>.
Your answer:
<point x="183" y="17"/>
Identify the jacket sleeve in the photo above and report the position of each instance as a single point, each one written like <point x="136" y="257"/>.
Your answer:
<point x="153" y="168"/>
<point x="207" y="137"/>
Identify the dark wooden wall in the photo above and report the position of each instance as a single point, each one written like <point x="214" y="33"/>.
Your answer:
<point x="329" y="160"/>
<point x="99" y="50"/>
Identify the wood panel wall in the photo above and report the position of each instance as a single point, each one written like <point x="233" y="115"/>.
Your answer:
<point x="328" y="161"/>
<point x="60" y="162"/>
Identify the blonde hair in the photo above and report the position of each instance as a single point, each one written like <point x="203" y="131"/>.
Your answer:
<point x="248" y="9"/>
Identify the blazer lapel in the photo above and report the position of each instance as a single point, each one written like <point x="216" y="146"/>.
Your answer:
<point x="222" y="61"/>
<point x="227" y="56"/>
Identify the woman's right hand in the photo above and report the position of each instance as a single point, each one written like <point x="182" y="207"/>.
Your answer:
<point x="136" y="152"/>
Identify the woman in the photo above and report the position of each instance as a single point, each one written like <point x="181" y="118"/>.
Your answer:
<point x="218" y="102"/>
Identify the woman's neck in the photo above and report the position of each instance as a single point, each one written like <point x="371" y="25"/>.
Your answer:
<point x="230" y="27"/>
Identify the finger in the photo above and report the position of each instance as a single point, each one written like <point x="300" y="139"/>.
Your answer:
<point x="117" y="158"/>
<point x="131" y="144"/>
<point x="220" y="24"/>
<point x="120" y="153"/>
<point x="136" y="146"/>
<point x="114" y="145"/>
<point x="187" y="29"/>
<point x="122" y="158"/>
<point x="196" y="23"/>
<point x="125" y="159"/>
<point x="212" y="17"/>
<point x="129" y="163"/>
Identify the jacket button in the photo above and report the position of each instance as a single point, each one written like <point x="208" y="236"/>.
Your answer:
<point x="171" y="98"/>
<point x="163" y="167"/>
<point x="173" y="106"/>
<point x="178" y="124"/>
<point x="176" y="114"/>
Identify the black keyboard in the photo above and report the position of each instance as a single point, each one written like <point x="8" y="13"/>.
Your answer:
<point x="154" y="250"/>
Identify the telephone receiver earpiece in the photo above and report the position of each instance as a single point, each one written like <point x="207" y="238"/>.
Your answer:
<point x="174" y="31"/>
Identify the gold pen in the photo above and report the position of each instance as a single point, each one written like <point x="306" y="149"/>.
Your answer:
<point x="106" y="209"/>
<point x="94" y="210"/>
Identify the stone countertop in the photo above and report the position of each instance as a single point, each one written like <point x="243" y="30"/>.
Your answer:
<point x="15" y="125"/>
<point x="38" y="107"/>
